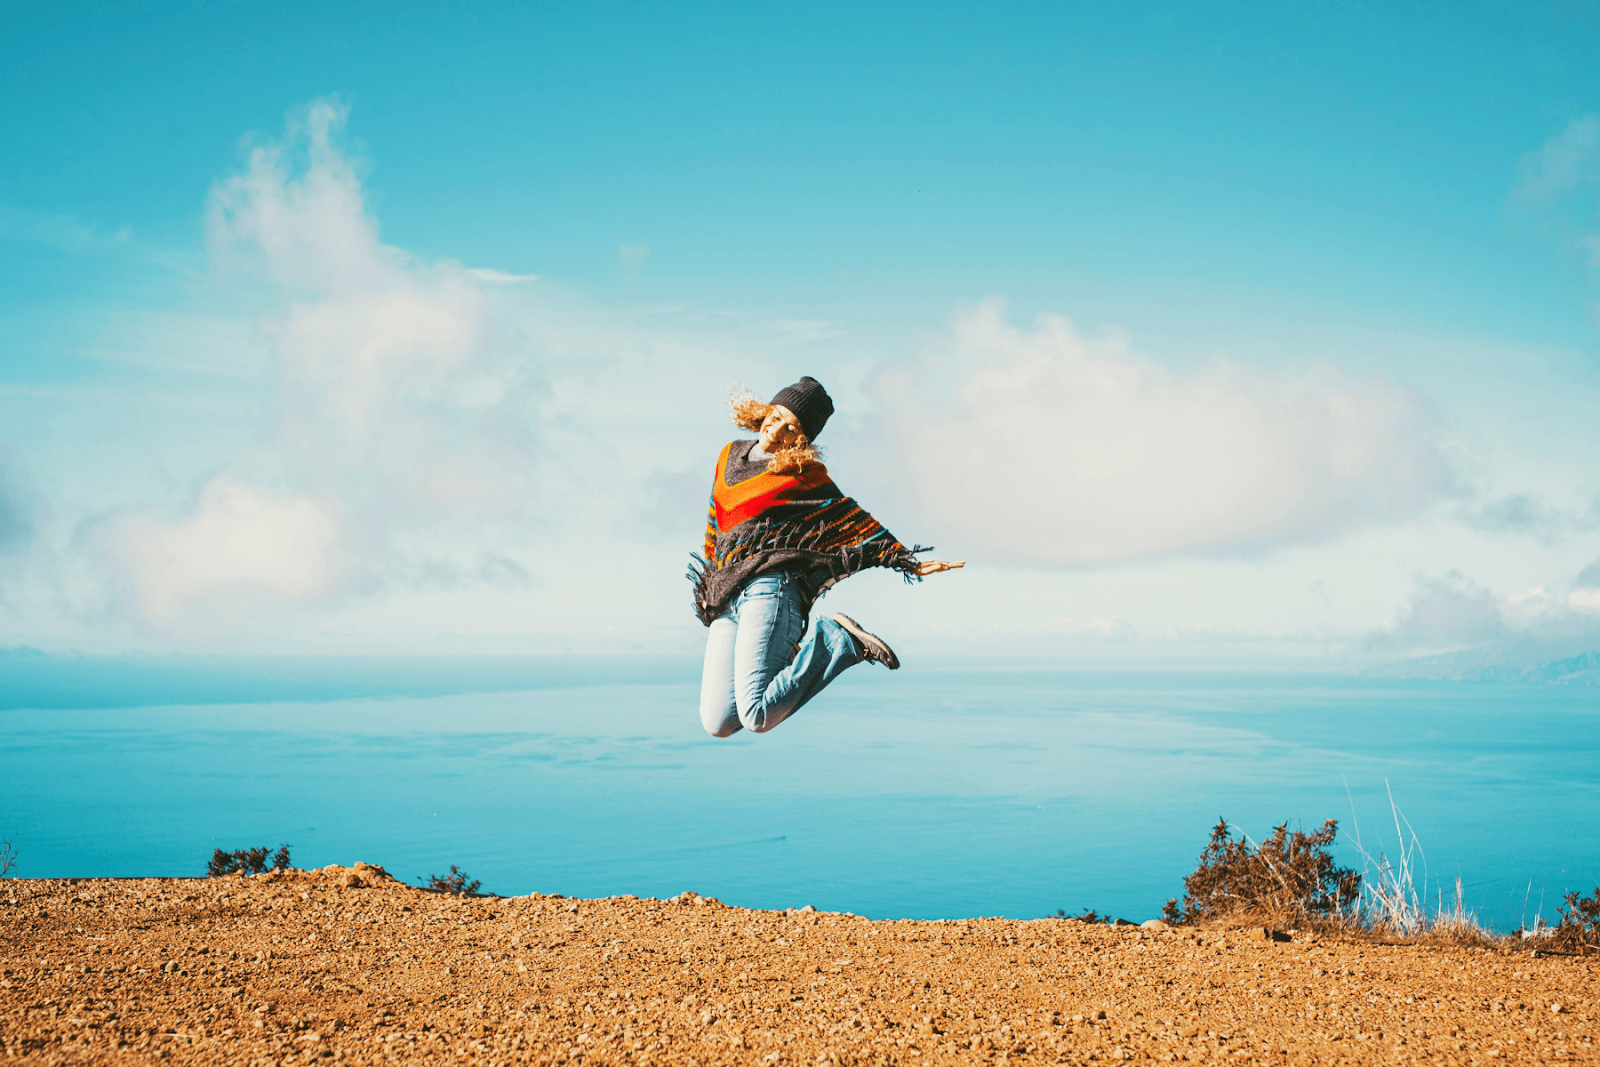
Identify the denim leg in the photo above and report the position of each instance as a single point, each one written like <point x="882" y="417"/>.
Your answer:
<point x="718" y="713"/>
<point x="771" y="680"/>
<point x="768" y="612"/>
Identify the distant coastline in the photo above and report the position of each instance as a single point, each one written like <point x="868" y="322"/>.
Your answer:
<point x="1496" y="663"/>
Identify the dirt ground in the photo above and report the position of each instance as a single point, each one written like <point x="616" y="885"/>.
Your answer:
<point x="349" y="965"/>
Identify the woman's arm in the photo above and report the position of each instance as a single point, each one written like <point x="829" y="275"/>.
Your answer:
<point x="934" y="566"/>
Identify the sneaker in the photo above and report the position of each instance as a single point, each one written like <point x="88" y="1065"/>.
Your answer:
<point x="872" y="646"/>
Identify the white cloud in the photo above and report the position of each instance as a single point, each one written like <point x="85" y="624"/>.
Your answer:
<point x="421" y="459"/>
<point x="18" y="507"/>
<point x="500" y="277"/>
<point x="1454" y="614"/>
<point x="399" y="423"/>
<point x="61" y="232"/>
<point x="233" y="550"/>
<point x="1584" y="596"/>
<point x="1565" y="161"/>
<point x="1560" y="187"/>
<point x="1527" y="514"/>
<point x="310" y="233"/>
<point x="389" y="390"/>
<point x="1062" y="450"/>
<point x="451" y="431"/>
<point x="800" y="331"/>
<point x="1447" y="612"/>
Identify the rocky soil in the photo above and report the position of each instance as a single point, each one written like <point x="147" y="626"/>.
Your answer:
<point x="350" y="965"/>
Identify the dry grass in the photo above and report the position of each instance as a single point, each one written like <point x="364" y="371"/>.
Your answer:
<point x="1291" y="880"/>
<point x="1393" y="901"/>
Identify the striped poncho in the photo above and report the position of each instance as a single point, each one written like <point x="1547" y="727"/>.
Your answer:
<point x="802" y="524"/>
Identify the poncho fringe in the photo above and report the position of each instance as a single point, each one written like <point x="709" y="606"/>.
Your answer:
<point x="820" y="547"/>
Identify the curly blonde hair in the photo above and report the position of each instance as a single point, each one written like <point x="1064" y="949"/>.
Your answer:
<point x="749" y="413"/>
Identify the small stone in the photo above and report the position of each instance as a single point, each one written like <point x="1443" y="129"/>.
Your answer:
<point x="1154" y="924"/>
<point x="1557" y="1008"/>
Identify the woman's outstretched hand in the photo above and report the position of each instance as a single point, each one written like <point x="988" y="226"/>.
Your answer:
<point x="934" y="566"/>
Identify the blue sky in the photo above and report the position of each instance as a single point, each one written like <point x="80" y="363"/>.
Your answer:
<point x="1257" y="329"/>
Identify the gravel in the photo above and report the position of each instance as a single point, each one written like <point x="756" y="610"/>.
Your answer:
<point x="348" y="965"/>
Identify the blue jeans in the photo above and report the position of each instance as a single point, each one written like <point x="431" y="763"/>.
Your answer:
<point x="754" y="676"/>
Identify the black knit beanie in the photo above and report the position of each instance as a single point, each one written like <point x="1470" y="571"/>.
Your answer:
<point x="810" y="403"/>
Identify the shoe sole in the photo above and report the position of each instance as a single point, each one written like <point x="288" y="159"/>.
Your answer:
<point x="877" y="650"/>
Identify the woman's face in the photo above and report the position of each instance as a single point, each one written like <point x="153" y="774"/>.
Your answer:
<point x="779" y="430"/>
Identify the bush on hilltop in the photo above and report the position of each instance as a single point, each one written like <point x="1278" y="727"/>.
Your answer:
<point x="1088" y="915"/>
<point x="1285" y="879"/>
<point x="456" y="883"/>
<point x="247" y="861"/>
<point x="1579" y="928"/>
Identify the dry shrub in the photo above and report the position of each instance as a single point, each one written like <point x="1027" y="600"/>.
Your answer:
<point x="247" y="861"/>
<point x="1579" y="928"/>
<point x="1088" y="915"/>
<point x="1288" y="878"/>
<point x="458" y="883"/>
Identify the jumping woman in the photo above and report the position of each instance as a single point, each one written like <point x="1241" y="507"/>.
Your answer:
<point x="779" y="535"/>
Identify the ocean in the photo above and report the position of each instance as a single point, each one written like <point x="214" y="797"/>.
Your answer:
<point x="930" y="792"/>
